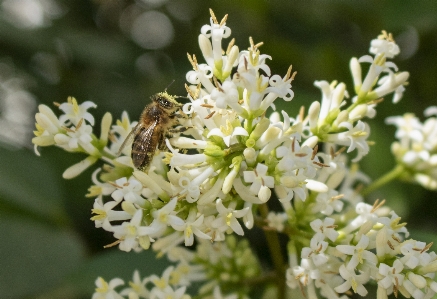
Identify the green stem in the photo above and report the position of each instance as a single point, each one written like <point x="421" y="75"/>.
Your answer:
<point x="386" y="178"/>
<point x="275" y="253"/>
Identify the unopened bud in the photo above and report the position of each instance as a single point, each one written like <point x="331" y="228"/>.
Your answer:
<point x="313" y="114"/>
<point x="358" y="112"/>
<point x="260" y="128"/>
<point x="270" y="134"/>
<point x="418" y="280"/>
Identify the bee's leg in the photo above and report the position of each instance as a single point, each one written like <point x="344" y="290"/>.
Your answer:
<point x="180" y="114"/>
<point x="169" y="134"/>
<point x="162" y="146"/>
<point x="178" y="130"/>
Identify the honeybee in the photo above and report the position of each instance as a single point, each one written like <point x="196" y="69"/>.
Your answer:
<point x="149" y="134"/>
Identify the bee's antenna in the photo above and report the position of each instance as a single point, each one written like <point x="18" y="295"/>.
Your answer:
<point x="165" y="90"/>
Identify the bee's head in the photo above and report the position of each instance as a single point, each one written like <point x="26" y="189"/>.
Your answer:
<point x="166" y="101"/>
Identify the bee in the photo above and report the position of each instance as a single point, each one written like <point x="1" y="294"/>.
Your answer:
<point x="154" y="124"/>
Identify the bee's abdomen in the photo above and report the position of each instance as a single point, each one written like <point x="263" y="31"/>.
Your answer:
<point x="144" y="147"/>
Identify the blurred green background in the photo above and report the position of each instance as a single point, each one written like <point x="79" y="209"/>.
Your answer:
<point x="117" y="53"/>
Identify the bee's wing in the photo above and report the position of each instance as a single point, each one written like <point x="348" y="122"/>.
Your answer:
<point x="144" y="145"/>
<point x="129" y="138"/>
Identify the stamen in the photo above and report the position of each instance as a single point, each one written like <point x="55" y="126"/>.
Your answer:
<point x="377" y="101"/>
<point x="217" y="84"/>
<point x="79" y="124"/>
<point x="334" y="198"/>
<point x="209" y="115"/>
<point x="206" y="105"/>
<point x="377" y="205"/>
<point x="426" y="247"/>
<point x="223" y="21"/>
<point x="320" y="164"/>
<point x="193" y="61"/>
<point x="113" y="244"/>
<point x="230" y="45"/>
<point x="301" y="113"/>
<point x="214" y="19"/>
<point x="390" y="245"/>
<point x="190" y="92"/>
<point x="315" y="149"/>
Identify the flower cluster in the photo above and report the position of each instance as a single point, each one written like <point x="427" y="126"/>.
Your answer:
<point x="344" y="255"/>
<point x="416" y="148"/>
<point x="224" y="265"/>
<point x="228" y="160"/>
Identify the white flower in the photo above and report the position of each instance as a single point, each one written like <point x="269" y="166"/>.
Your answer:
<point x="131" y="234"/>
<point x="325" y="227"/>
<point x="192" y="227"/>
<point x="227" y="217"/>
<point x="292" y="185"/>
<point x="105" y="213"/>
<point x="164" y="217"/>
<point x="121" y="130"/>
<point x="391" y="276"/>
<point x="217" y="294"/>
<point x="261" y="182"/>
<point x="328" y="202"/>
<point x="169" y="292"/>
<point x="191" y="186"/>
<point x="201" y="74"/>
<point x="227" y="95"/>
<point x="332" y="98"/>
<point x="47" y="125"/>
<point x="106" y="290"/>
<point x="76" y="137"/>
<point x="356" y="281"/>
<point x="228" y="133"/>
<point x="413" y="254"/>
<point x="358" y="252"/>
<point x="354" y="138"/>
<point x="137" y="286"/>
<point x="216" y="31"/>
<point x="316" y="251"/>
<point x="276" y="220"/>
<point x="129" y="191"/>
<point x="74" y="112"/>
<point x="392" y="83"/>
<point x="385" y="45"/>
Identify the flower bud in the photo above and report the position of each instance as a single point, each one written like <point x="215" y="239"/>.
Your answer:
<point x="106" y="126"/>
<point x="418" y="280"/>
<point x="76" y="169"/>
<point x="250" y="155"/>
<point x="232" y="57"/>
<point x="429" y="268"/>
<point x="206" y="48"/>
<point x="260" y="128"/>
<point x="338" y="96"/>
<point x="316" y="186"/>
<point x="313" y="114"/>
<point x="355" y="68"/>
<point x="358" y="112"/>
<point x="270" y="134"/>
<point x="311" y="142"/>
<point x="341" y="117"/>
